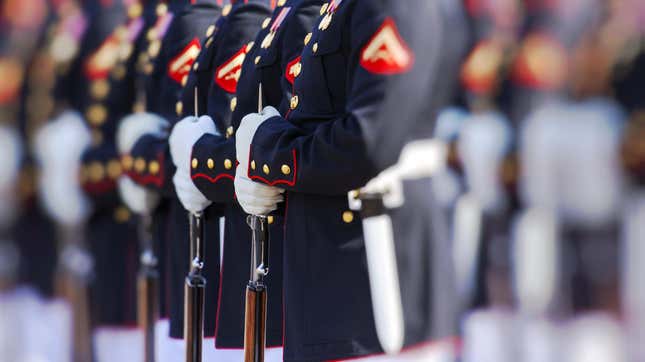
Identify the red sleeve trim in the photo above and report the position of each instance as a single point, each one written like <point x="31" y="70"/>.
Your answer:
<point x="150" y="179"/>
<point x="146" y="179"/>
<point x="291" y="183"/>
<point x="213" y="179"/>
<point x="98" y="188"/>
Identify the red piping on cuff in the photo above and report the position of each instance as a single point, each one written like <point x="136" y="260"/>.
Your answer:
<point x="291" y="183"/>
<point x="97" y="188"/>
<point x="146" y="179"/>
<point x="212" y="179"/>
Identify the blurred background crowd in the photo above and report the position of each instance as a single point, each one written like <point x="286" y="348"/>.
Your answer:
<point x="542" y="197"/>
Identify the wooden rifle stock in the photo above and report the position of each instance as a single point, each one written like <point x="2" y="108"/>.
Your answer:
<point x="256" y="292"/>
<point x="194" y="290"/>
<point x="72" y="278"/>
<point x="255" y="323"/>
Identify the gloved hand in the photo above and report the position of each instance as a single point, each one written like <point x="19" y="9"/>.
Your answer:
<point x="134" y="126"/>
<point x="184" y="135"/>
<point x="137" y="198"/>
<point x="255" y="198"/>
<point x="189" y="195"/>
<point x="182" y="138"/>
<point x="418" y="159"/>
<point x="58" y="147"/>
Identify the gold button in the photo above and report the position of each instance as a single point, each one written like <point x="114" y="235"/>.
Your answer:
<point x="114" y="169"/>
<point x="229" y="131"/>
<point x="151" y="35"/>
<point x="348" y="217"/>
<point x="285" y="169"/>
<point x="121" y="214"/>
<point x="154" y="47"/>
<point x="153" y="167"/>
<point x="294" y="102"/>
<point x="257" y="59"/>
<point x="281" y="2"/>
<point x="195" y="66"/>
<point x="324" y="23"/>
<point x="249" y="46"/>
<point x="139" y="107"/>
<point x="253" y="165"/>
<point x="148" y="68"/>
<point x="210" y="163"/>
<point x="226" y="10"/>
<point x="139" y="164"/>
<point x="307" y="38"/>
<point x="179" y="108"/>
<point x="194" y="163"/>
<point x="266" y="23"/>
<point x="96" y="114"/>
<point x="270" y="219"/>
<point x="315" y="47"/>
<point x="228" y="164"/>
<point x="135" y="10"/>
<point x="125" y="51"/>
<point x="268" y="39"/>
<point x="233" y="103"/>
<point x="161" y="9"/>
<point x="210" y="30"/>
<point x="96" y="171"/>
<point x="323" y="8"/>
<point x="127" y="162"/>
<point x="209" y="42"/>
<point x="297" y="68"/>
<point x="100" y="89"/>
<point x="184" y="80"/>
<point x="266" y="169"/>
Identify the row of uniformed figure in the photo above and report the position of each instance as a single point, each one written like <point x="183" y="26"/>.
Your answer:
<point x="503" y="141"/>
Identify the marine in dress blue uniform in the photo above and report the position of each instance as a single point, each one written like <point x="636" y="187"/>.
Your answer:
<point x="111" y="232"/>
<point x="318" y="153"/>
<point x="271" y="59"/>
<point x="27" y="102"/>
<point x="175" y="45"/>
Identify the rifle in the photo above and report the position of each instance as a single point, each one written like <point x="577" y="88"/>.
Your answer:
<point x="195" y="287"/>
<point x="195" y="291"/>
<point x="256" y="291"/>
<point x="255" y="311"/>
<point x="72" y="279"/>
<point x="147" y="289"/>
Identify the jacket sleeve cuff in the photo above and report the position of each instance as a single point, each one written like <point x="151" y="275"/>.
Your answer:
<point x="213" y="166"/>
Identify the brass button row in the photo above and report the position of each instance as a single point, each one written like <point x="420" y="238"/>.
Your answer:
<point x="95" y="171"/>
<point x="210" y="163"/>
<point x="286" y="170"/>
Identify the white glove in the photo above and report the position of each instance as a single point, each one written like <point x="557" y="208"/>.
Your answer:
<point x="188" y="194"/>
<point x="255" y="198"/>
<point x="136" y="125"/>
<point x="418" y="159"/>
<point x="184" y="135"/>
<point x="139" y="199"/>
<point x="59" y="146"/>
<point x="182" y="138"/>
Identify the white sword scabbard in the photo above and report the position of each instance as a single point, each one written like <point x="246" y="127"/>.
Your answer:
<point x="418" y="159"/>
<point x="384" y="282"/>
